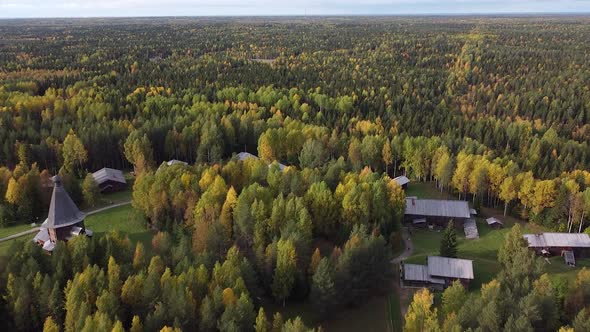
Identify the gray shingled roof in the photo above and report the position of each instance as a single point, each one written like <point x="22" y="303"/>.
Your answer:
<point x="493" y="220"/>
<point x="174" y="162"/>
<point x="548" y="240"/>
<point x="108" y="174"/>
<point x="437" y="208"/>
<point x="246" y="155"/>
<point x="242" y="156"/>
<point x="62" y="210"/>
<point x="401" y="180"/>
<point x="450" y="267"/>
<point x="416" y="272"/>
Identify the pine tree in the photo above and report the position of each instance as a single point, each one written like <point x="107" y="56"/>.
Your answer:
<point x="261" y="321"/>
<point x="277" y="322"/>
<point x="50" y="325"/>
<point x="448" y="243"/>
<point x="136" y="325"/>
<point x="323" y="289"/>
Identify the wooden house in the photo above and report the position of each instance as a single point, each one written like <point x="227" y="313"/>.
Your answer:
<point x="403" y="181"/>
<point x="556" y="243"/>
<point x="436" y="212"/>
<point x="494" y="223"/>
<point x="110" y="180"/>
<point x="438" y="273"/>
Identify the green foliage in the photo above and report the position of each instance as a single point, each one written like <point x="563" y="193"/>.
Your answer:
<point x="90" y="191"/>
<point x="448" y="242"/>
<point x="453" y="298"/>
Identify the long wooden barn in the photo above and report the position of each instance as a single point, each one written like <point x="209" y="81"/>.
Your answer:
<point x="557" y="243"/>
<point x="436" y="211"/>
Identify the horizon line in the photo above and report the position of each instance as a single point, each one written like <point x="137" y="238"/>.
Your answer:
<point x="434" y="14"/>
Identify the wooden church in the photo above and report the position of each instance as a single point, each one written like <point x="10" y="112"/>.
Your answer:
<point x="64" y="219"/>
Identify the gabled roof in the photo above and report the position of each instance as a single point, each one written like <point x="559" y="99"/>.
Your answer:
<point x="437" y="208"/>
<point x="401" y="180"/>
<point x="548" y="240"/>
<point x="416" y="272"/>
<point x="242" y="156"/>
<point x="246" y="155"/>
<point x="174" y="162"/>
<point x="493" y="220"/>
<point x="108" y="174"/>
<point x="450" y="267"/>
<point x="62" y="210"/>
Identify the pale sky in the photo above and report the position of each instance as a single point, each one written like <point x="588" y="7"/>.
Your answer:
<point x="96" y="8"/>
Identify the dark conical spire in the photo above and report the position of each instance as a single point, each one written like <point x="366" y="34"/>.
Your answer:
<point x="62" y="210"/>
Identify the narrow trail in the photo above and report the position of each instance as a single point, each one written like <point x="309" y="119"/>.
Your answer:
<point x="409" y="247"/>
<point x="88" y="213"/>
<point x="401" y="292"/>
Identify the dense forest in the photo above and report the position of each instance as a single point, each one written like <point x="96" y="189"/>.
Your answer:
<point x="495" y="110"/>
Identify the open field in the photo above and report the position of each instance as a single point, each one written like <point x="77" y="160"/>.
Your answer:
<point x="109" y="199"/>
<point x="7" y="231"/>
<point x="120" y="218"/>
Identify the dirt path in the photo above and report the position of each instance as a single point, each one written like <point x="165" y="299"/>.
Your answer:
<point x="403" y="293"/>
<point x="36" y="229"/>
<point x="409" y="247"/>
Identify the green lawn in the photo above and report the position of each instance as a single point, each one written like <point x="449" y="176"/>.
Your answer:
<point x="120" y="218"/>
<point x="558" y="270"/>
<point x="7" y="231"/>
<point x="482" y="251"/>
<point x="108" y="199"/>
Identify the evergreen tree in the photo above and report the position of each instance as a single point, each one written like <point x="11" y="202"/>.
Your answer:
<point x="448" y="242"/>
<point x="261" y="321"/>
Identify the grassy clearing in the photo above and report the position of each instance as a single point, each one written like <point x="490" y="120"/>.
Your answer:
<point x="10" y="230"/>
<point x="108" y="199"/>
<point x="122" y="219"/>
<point x="558" y="270"/>
<point x="482" y="251"/>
